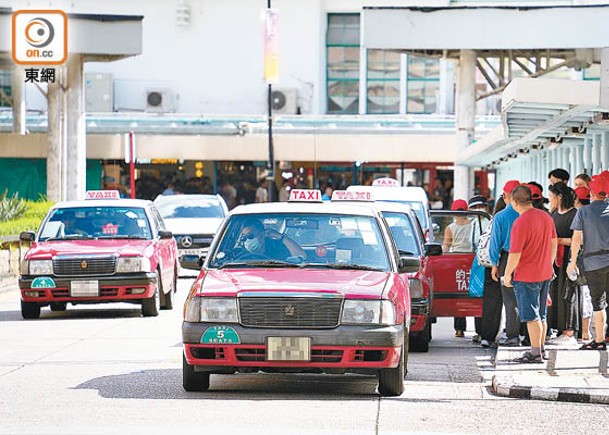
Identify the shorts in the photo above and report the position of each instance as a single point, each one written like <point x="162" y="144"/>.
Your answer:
<point x="598" y="282"/>
<point x="532" y="300"/>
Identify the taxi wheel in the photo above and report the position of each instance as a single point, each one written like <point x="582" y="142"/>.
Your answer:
<point x="30" y="310"/>
<point x="192" y="380"/>
<point x="150" y="306"/>
<point x="59" y="306"/>
<point x="391" y="381"/>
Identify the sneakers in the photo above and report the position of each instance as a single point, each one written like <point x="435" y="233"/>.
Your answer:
<point x="459" y="333"/>
<point x="510" y="342"/>
<point x="485" y="344"/>
<point x="476" y="338"/>
<point x="528" y="358"/>
<point x="564" y="340"/>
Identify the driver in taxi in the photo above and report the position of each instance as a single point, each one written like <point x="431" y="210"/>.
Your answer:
<point x="256" y="241"/>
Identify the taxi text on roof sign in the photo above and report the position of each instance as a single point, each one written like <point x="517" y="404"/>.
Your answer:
<point x="103" y="194"/>
<point x="351" y="195"/>
<point x="305" y="195"/>
<point x="386" y="182"/>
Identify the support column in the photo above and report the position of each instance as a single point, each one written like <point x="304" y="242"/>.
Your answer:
<point x="588" y="155"/>
<point x="18" y="97"/>
<point x="604" y="153"/>
<point x="577" y="157"/>
<point x="76" y="133"/>
<point x="466" y="119"/>
<point x="597" y="142"/>
<point x="54" y="149"/>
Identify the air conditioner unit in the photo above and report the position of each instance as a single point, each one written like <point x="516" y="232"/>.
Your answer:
<point x="284" y="101"/>
<point x="161" y="100"/>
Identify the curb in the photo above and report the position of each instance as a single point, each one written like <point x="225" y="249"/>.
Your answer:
<point x="582" y="395"/>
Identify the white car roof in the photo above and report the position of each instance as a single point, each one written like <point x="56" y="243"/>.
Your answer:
<point x="359" y="209"/>
<point x="188" y="197"/>
<point x="407" y="193"/>
<point x="104" y="203"/>
<point x="398" y="207"/>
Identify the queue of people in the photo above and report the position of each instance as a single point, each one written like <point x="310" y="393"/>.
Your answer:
<point x="549" y="271"/>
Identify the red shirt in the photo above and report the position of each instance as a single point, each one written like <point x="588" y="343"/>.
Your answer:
<point x="531" y="236"/>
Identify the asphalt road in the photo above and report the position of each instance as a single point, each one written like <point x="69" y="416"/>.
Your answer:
<point x="105" y="369"/>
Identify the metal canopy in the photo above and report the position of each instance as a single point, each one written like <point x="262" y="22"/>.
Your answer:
<point x="539" y="114"/>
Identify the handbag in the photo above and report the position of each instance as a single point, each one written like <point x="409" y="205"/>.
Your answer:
<point x="482" y="253"/>
<point x="476" y="280"/>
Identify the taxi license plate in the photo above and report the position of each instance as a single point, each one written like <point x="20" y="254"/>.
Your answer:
<point x="198" y="252"/>
<point x="288" y="348"/>
<point x="80" y="289"/>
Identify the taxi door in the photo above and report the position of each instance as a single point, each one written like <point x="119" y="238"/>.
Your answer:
<point x="167" y="252"/>
<point x="459" y="232"/>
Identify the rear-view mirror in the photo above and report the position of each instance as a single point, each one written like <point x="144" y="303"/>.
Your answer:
<point x="191" y="262"/>
<point x="27" y="236"/>
<point x="409" y="264"/>
<point x="433" y="248"/>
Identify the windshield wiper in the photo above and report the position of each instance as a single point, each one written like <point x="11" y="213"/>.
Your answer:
<point x="70" y="237"/>
<point x="259" y="263"/>
<point x="123" y="237"/>
<point x="352" y="266"/>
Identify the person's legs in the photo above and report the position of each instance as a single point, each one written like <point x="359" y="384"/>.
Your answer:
<point x="492" y="303"/>
<point x="460" y="324"/>
<point x="528" y="295"/>
<point x="512" y="323"/>
<point x="598" y="280"/>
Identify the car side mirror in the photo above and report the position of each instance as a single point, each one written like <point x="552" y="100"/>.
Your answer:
<point x="433" y="248"/>
<point x="165" y="234"/>
<point x="191" y="262"/>
<point x="27" y="236"/>
<point x="409" y="264"/>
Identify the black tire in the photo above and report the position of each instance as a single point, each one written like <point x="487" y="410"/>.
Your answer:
<point x="30" y="310"/>
<point x="169" y="296"/>
<point x="391" y="381"/>
<point x="151" y="306"/>
<point x="420" y="341"/>
<point x="191" y="380"/>
<point x="59" y="306"/>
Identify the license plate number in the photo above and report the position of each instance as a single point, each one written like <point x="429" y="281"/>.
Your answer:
<point x="198" y="252"/>
<point x="288" y="349"/>
<point x="80" y="289"/>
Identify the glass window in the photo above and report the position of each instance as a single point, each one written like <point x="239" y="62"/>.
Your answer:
<point x="383" y="87"/>
<point x="423" y="84"/>
<point x="325" y="240"/>
<point x="342" y="54"/>
<point x="190" y="209"/>
<point x="5" y="88"/>
<point x="403" y="232"/>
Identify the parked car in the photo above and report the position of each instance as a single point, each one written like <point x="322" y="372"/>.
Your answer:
<point x="300" y="286"/>
<point x="97" y="251"/>
<point x="193" y="220"/>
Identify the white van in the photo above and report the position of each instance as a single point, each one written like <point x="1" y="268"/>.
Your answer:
<point x="388" y="189"/>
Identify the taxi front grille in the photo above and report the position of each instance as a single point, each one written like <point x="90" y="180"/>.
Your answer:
<point x="290" y="312"/>
<point x="84" y="266"/>
<point x="195" y="241"/>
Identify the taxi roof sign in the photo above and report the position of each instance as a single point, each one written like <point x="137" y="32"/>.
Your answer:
<point x="305" y="195"/>
<point x="103" y="194"/>
<point x="386" y="182"/>
<point x="352" y="195"/>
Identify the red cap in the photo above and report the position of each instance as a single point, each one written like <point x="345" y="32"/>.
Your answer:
<point x="535" y="191"/>
<point x="459" y="204"/>
<point x="600" y="184"/>
<point x="511" y="185"/>
<point x="582" y="193"/>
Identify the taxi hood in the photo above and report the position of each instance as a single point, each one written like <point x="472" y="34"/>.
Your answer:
<point x="120" y="247"/>
<point x="349" y="283"/>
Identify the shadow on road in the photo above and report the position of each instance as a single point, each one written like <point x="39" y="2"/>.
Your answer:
<point x="73" y="313"/>
<point x="167" y="384"/>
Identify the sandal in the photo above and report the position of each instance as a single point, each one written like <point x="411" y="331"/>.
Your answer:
<point x="594" y="345"/>
<point x="528" y="357"/>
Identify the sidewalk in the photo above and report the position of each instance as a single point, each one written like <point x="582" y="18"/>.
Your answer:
<point x="570" y="375"/>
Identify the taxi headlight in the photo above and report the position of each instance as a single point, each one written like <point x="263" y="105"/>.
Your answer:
<point x="192" y="312"/>
<point x="416" y="288"/>
<point x="132" y="264"/>
<point x="219" y="310"/>
<point x="368" y="312"/>
<point x="38" y="267"/>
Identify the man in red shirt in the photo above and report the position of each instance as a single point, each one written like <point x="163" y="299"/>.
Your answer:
<point x="533" y="245"/>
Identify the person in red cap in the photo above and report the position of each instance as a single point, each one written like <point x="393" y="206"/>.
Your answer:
<point x="582" y="195"/>
<point x="458" y="238"/>
<point x="591" y="228"/>
<point x="499" y="247"/>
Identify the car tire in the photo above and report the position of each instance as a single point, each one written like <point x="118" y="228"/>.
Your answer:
<point x="30" y="310"/>
<point x="420" y="341"/>
<point x="169" y="296"/>
<point x="151" y="306"/>
<point x="391" y="381"/>
<point x="192" y="380"/>
<point x="58" y="306"/>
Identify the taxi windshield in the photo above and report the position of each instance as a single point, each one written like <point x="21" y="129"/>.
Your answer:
<point x="419" y="210"/>
<point x="322" y="240"/>
<point x="190" y="209"/>
<point x="95" y="223"/>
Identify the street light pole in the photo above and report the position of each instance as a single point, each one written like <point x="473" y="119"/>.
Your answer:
<point x="271" y="162"/>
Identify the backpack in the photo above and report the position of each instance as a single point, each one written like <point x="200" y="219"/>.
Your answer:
<point x="482" y="253"/>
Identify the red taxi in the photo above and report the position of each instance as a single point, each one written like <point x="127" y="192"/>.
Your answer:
<point x="302" y="286"/>
<point x="96" y="251"/>
<point x="451" y="270"/>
